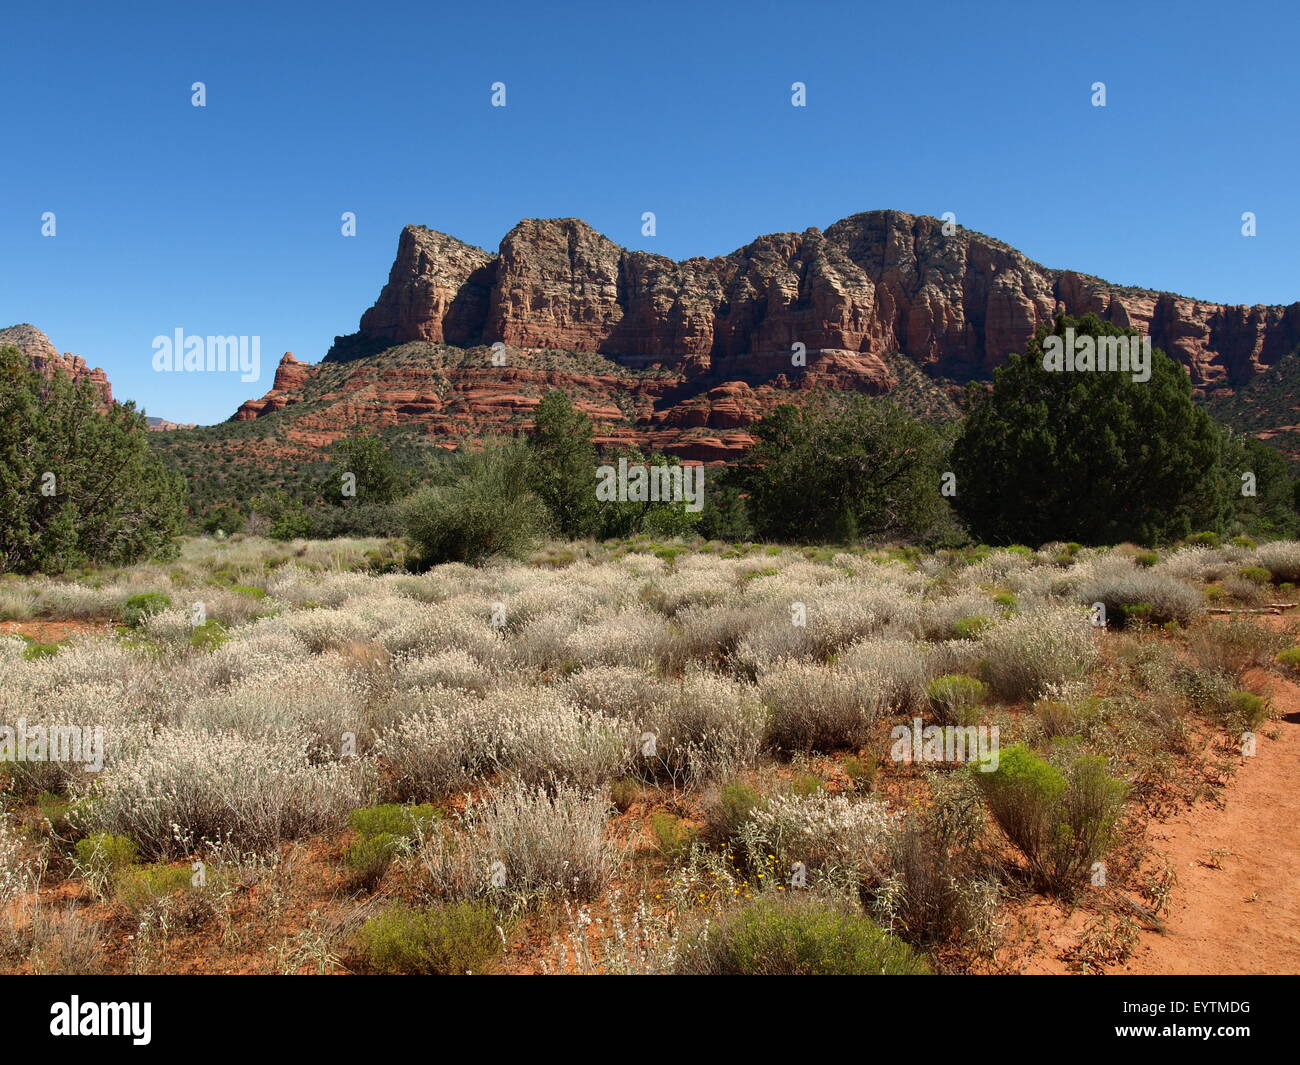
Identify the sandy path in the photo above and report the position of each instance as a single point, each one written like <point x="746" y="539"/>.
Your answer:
<point x="1243" y="917"/>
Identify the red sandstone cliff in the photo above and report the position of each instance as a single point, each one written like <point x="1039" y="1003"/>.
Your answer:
<point x="43" y="356"/>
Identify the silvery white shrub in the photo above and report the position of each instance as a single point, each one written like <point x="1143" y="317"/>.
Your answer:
<point x="192" y="785"/>
<point x="1041" y="646"/>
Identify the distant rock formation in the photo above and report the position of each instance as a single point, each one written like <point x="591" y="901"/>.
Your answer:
<point x="873" y="283"/>
<point x="43" y="356"/>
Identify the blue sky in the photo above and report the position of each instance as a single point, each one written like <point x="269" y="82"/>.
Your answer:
<point x="226" y="219"/>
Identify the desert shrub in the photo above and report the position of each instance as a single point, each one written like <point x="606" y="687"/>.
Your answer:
<point x="449" y="738"/>
<point x="862" y="771"/>
<point x="727" y="811"/>
<point x="1245" y="591"/>
<point x="818" y="709"/>
<point x="380" y="832"/>
<point x="1281" y="559"/>
<point x="489" y="510"/>
<point x="1203" y="539"/>
<point x="708" y="726"/>
<point x="1255" y="574"/>
<point x="1041" y="646"/>
<point x="548" y="842"/>
<point x="787" y="938"/>
<point x="139" y="607"/>
<point x="623" y="792"/>
<point x="820" y="829"/>
<point x="1146" y="559"/>
<point x="103" y="854"/>
<point x="63" y="942"/>
<point x="446" y="940"/>
<point x="673" y="835"/>
<point x="391" y="819"/>
<point x="1062" y="717"/>
<point x="190" y="785"/>
<point x="368" y="859"/>
<point x="901" y="668"/>
<point x="1232" y="647"/>
<point x="1061" y="820"/>
<point x="938" y="889"/>
<point x="970" y="628"/>
<point x="209" y="636"/>
<point x="1246" y="711"/>
<point x="138" y="889"/>
<point x="1122" y="587"/>
<point x="955" y="699"/>
<point x="1290" y="658"/>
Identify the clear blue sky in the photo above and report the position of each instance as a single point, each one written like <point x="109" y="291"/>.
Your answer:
<point x="225" y="219"/>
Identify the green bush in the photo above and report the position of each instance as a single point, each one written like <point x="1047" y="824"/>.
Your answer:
<point x="80" y="482"/>
<point x="1146" y="559"/>
<point x="1246" y="711"/>
<point x="209" y="636"/>
<point x="103" y="853"/>
<point x="380" y="831"/>
<point x="392" y="819"/>
<point x="138" y="888"/>
<point x="673" y="836"/>
<point x="735" y="804"/>
<point x="139" y="607"/>
<point x="446" y="940"/>
<point x="970" y="628"/>
<point x="862" y="771"/>
<point x="1061" y="820"/>
<point x="786" y="938"/>
<point x="368" y="859"/>
<point x="1290" y="658"/>
<point x="955" y="698"/>
<point x="1256" y="575"/>
<point x="489" y="510"/>
<point x="1204" y="539"/>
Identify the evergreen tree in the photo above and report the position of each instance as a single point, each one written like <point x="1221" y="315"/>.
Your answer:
<point x="367" y="459"/>
<point x="78" y="484"/>
<point x="839" y="468"/>
<point x="564" y="465"/>
<point x="1089" y="456"/>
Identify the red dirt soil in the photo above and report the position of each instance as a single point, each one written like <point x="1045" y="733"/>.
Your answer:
<point x="1236" y="909"/>
<point x="52" y="631"/>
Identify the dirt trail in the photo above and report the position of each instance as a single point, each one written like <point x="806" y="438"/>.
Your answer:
<point x="1244" y="915"/>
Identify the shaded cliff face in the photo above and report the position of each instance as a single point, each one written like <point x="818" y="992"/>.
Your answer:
<point x="871" y="284"/>
<point x="43" y="356"/>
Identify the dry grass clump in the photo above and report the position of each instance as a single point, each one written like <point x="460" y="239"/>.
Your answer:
<point x="815" y="708"/>
<point x="521" y="843"/>
<point x="1045" y="645"/>
<point x="189" y="785"/>
<point x="1125" y="588"/>
<point x="442" y="739"/>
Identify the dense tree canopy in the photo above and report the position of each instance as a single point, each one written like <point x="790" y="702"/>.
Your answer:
<point x="78" y="484"/>
<point x="839" y="468"/>
<point x="1090" y="456"/>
